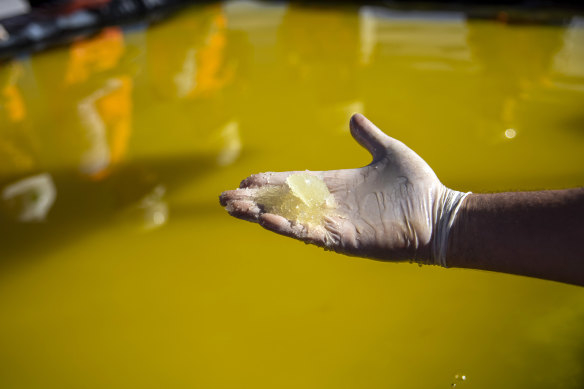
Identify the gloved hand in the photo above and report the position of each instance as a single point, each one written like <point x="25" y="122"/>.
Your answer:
<point x="395" y="208"/>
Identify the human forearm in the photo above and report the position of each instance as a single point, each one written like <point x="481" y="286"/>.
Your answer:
<point x="537" y="234"/>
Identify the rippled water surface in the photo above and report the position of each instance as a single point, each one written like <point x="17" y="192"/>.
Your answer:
<point x="119" y="269"/>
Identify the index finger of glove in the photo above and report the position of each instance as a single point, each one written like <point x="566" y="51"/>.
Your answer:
<point x="237" y="195"/>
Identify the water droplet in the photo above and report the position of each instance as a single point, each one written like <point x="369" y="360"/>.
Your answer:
<point x="510" y="133"/>
<point x="458" y="378"/>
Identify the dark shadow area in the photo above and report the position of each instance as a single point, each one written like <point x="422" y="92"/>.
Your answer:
<point x="83" y="207"/>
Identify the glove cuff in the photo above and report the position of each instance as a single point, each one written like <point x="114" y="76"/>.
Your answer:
<point x="444" y="216"/>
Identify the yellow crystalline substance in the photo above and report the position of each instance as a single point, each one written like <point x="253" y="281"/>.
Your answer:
<point x="304" y="199"/>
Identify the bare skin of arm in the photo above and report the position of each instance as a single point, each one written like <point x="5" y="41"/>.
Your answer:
<point x="536" y="234"/>
<point x="397" y="209"/>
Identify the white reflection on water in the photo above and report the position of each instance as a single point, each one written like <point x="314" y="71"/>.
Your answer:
<point x="568" y="61"/>
<point x="97" y="158"/>
<point x="231" y="144"/>
<point x="406" y="34"/>
<point x="34" y="195"/>
<point x="155" y="208"/>
<point x="185" y="80"/>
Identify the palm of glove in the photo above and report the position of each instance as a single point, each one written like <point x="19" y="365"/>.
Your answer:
<point x="386" y="210"/>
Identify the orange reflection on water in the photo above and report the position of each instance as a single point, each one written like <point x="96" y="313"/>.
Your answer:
<point x="100" y="53"/>
<point x="106" y="113"/>
<point x="197" y="66"/>
<point x="212" y="73"/>
<point x="11" y="97"/>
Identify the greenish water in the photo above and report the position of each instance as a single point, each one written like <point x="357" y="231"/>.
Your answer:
<point x="118" y="267"/>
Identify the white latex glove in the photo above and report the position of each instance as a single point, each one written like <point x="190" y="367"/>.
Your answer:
<point x="395" y="208"/>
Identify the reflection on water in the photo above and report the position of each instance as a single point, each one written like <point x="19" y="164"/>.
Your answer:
<point x="121" y="143"/>
<point x="36" y="194"/>
<point x="232" y="144"/>
<point x="154" y="207"/>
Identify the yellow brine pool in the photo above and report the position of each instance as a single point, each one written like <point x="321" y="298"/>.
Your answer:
<point x="119" y="268"/>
